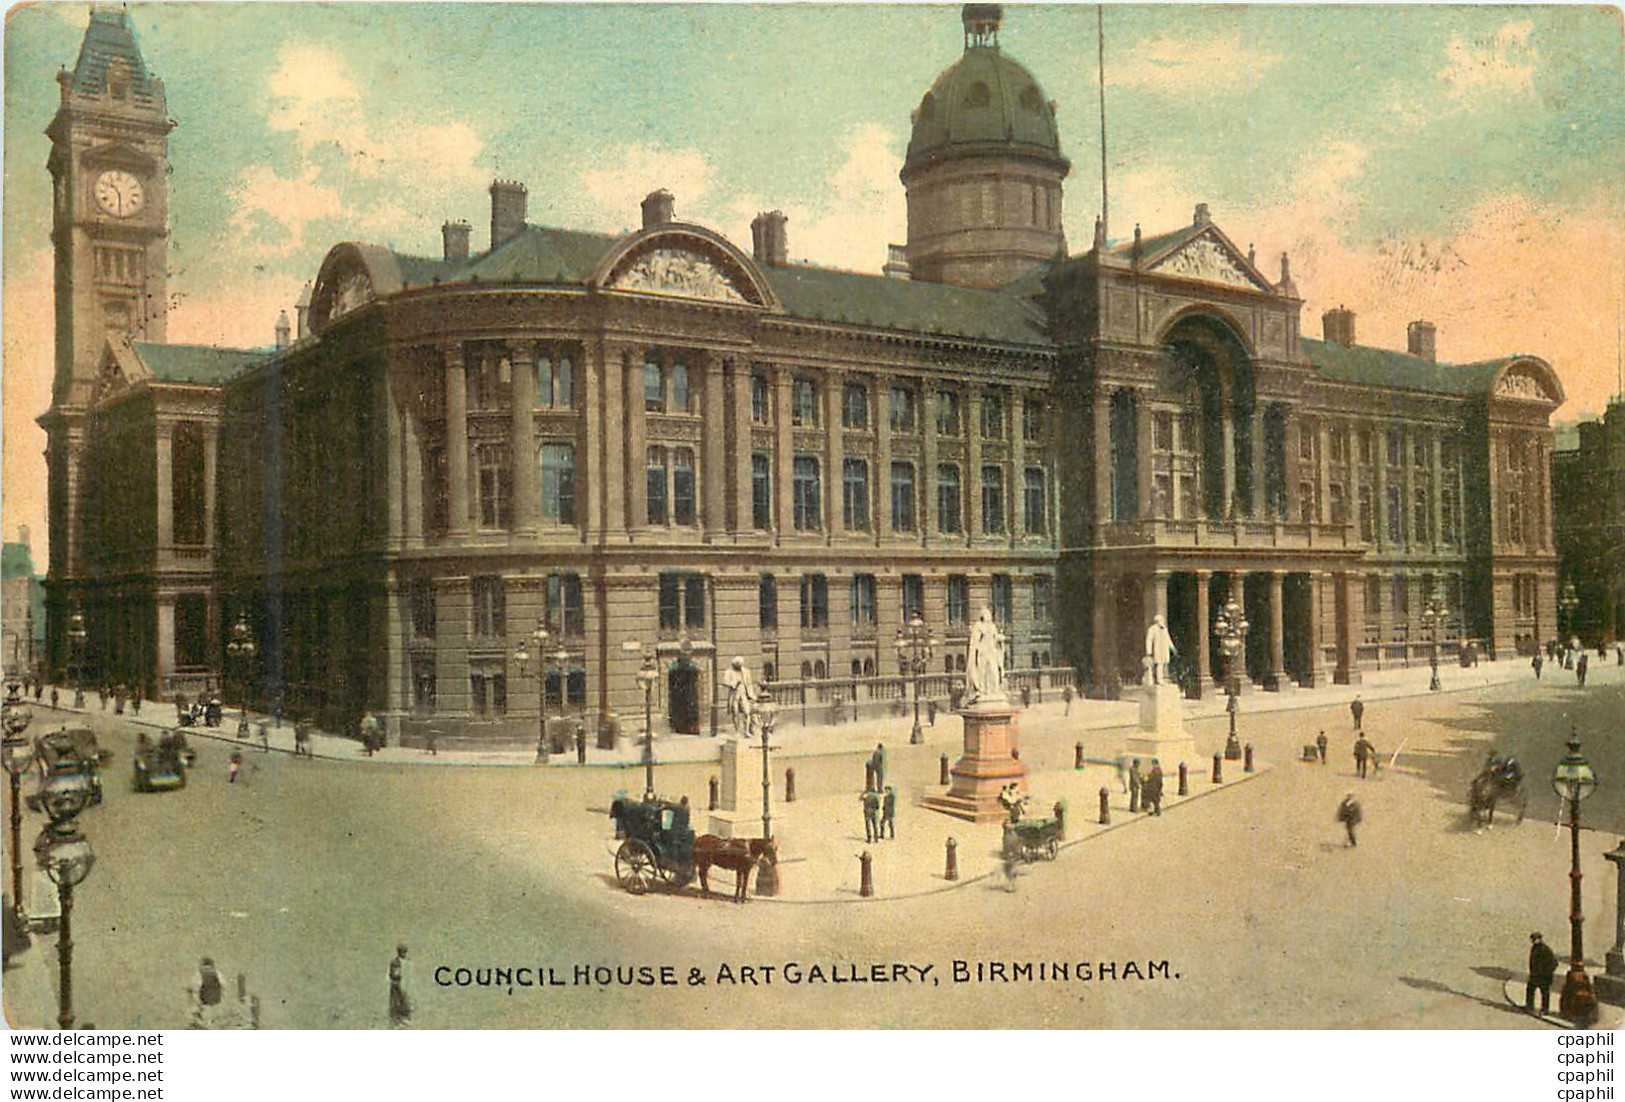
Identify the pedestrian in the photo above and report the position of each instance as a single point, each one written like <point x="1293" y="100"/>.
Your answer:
<point x="1535" y="663"/>
<point x="879" y="759"/>
<point x="430" y="738"/>
<point x="53" y="696"/>
<point x="1619" y="654"/>
<point x="1151" y="791"/>
<point x="871" y="815"/>
<point x="1026" y="696"/>
<point x="209" y="988"/>
<point x="1542" y="966"/>
<point x="1136" y="785"/>
<point x="1066" y="698"/>
<point x="1580" y="665"/>
<point x="400" y="991"/>
<point x="1363" y="751"/>
<point x="39" y="688"/>
<point x="119" y="697"/>
<point x="888" y="813"/>
<point x="1010" y="864"/>
<point x="135" y="702"/>
<point x="233" y="764"/>
<point x="1349" y="814"/>
<point x="1357" y="708"/>
<point x="1320" y="746"/>
<point x="931" y="713"/>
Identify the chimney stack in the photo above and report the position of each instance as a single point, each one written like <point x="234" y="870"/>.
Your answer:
<point x="897" y="265"/>
<point x="507" y="210"/>
<point x="301" y="311"/>
<point x="658" y="209"/>
<point x="284" y="330"/>
<point x="1339" y="326"/>
<point x="454" y="238"/>
<point x="1286" y="286"/>
<point x="1201" y="217"/>
<point x="1421" y="340"/>
<point x="769" y="234"/>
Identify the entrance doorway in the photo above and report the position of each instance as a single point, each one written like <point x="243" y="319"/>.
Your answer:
<point x="683" y="697"/>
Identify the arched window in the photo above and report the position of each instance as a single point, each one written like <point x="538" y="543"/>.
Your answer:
<point x="680" y="397"/>
<point x="948" y="498"/>
<point x="558" y="463"/>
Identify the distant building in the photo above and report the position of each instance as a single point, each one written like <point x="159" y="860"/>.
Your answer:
<point x="1588" y="486"/>
<point x="22" y="608"/>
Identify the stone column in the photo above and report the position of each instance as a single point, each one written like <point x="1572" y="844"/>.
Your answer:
<point x="1436" y="471"/>
<point x="1204" y="633"/>
<point x="1614" y="959"/>
<point x="1103" y="651"/>
<point x="784" y="459"/>
<point x="713" y="430"/>
<point x="1323" y="473"/>
<point x="412" y="476"/>
<point x="604" y="419"/>
<point x="211" y="448"/>
<point x="1260" y="491"/>
<point x="636" y="448"/>
<point x="1379" y="441"/>
<point x="166" y="640"/>
<point x="972" y="481"/>
<point x="166" y="489"/>
<point x="737" y="374"/>
<point x="928" y="464"/>
<point x="1143" y="463"/>
<point x="1349" y="629"/>
<point x="1229" y="429"/>
<point x="522" y="453"/>
<point x="1353" y="452"/>
<point x="456" y="380"/>
<point x="1497" y="521"/>
<point x="395" y="504"/>
<point x="1407" y="521"/>
<point x="1103" y="462"/>
<point x="880" y="477"/>
<point x="1312" y="676"/>
<point x="1016" y="506"/>
<point x="1289" y="463"/>
<point x="1275" y="679"/>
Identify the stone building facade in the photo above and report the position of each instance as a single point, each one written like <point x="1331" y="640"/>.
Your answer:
<point x="1589" y="503"/>
<point x="660" y="442"/>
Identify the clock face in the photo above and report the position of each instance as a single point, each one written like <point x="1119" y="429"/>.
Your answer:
<point x="119" y="193"/>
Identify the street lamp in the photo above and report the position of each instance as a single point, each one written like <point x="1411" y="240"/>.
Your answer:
<point x="524" y="658"/>
<point x="65" y="855"/>
<point x="1574" y="780"/>
<point x="914" y="645"/>
<point x="240" y="652"/>
<point x="1433" y="614"/>
<point x="1230" y="628"/>
<point x="767" y="872"/>
<point x="17" y="754"/>
<point x="648" y="677"/>
<point x="1566" y="604"/>
<point x="76" y="655"/>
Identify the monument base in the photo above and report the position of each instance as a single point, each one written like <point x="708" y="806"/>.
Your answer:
<point x="986" y="767"/>
<point x="1162" y="729"/>
<point x="740" y="824"/>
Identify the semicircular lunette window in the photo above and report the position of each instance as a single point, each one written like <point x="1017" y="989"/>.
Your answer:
<point x="1031" y="100"/>
<point x="977" y="95"/>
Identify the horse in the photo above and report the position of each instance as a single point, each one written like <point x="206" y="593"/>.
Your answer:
<point x="738" y="855"/>
<point x="1500" y="779"/>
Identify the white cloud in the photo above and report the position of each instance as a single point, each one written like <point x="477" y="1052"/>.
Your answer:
<point x="631" y="172"/>
<point x="1191" y="63"/>
<point x="1503" y="64"/>
<point x="272" y="212"/>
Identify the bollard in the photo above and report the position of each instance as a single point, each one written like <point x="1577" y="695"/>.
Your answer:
<point x="1184" y="781"/>
<point x="716" y="792"/>
<point x="1218" y="768"/>
<point x="868" y="775"/>
<point x="1060" y="820"/>
<point x="790" y="785"/>
<point x="1077" y="755"/>
<point x="1105" y="808"/>
<point x="943" y="779"/>
<point x="867" y="887"/>
<point x="952" y="870"/>
<point x="1247" y="759"/>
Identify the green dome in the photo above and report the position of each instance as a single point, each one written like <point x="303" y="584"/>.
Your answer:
<point x="984" y="103"/>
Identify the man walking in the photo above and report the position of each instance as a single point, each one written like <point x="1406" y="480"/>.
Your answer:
<point x="871" y="815"/>
<point x="1535" y="663"/>
<point x="1357" y="709"/>
<point x="888" y="814"/>
<point x="1363" y="751"/>
<point x="1349" y="814"/>
<point x="400" y="997"/>
<point x="1542" y="966"/>
<point x="1136" y="786"/>
<point x="879" y="760"/>
<point x="1066" y="698"/>
<point x="1152" y="789"/>
<point x="1580" y="665"/>
<point x="1320" y="746"/>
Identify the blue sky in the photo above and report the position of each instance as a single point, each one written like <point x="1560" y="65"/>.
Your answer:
<point x="1466" y="164"/>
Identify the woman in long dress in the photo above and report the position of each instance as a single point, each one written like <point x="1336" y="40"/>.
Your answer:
<point x="986" y="673"/>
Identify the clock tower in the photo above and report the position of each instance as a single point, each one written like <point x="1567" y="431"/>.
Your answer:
<point x="109" y="168"/>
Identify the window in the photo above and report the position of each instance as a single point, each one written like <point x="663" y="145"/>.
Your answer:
<point x="863" y="600"/>
<point x="488" y="687"/>
<point x="808" y="504"/>
<point x="1162" y="494"/>
<point x="654" y="387"/>
<point x="555" y="379"/>
<point x="1396" y="447"/>
<point x="1400" y="597"/>
<point x="1001" y="599"/>
<point x="1373" y="600"/>
<point x="1396" y="514"/>
<point x="681" y="398"/>
<point x="682" y="601"/>
<point x="1032" y="419"/>
<point x="1419" y="451"/>
<point x="495" y="485"/>
<point x="993" y="415"/>
<point x="1336" y="441"/>
<point x="948" y="498"/>
<point x="1421" y="519"/>
<point x="948" y="418"/>
<point x="1368" y="519"/>
<point x="761" y="400"/>
<point x="1447" y="517"/>
<point x="490" y="607"/>
<point x="186" y="480"/>
<point x="904" y="417"/>
<point x="854" y="406"/>
<point x="761" y="490"/>
<point x="814" y="601"/>
<point x="804" y="403"/>
<point x="1037" y="501"/>
<point x="1336" y="503"/>
<point x="1447" y="455"/>
<point x="1043" y="594"/>
<point x="1162" y="432"/>
<point x="423" y="678"/>
<point x="993" y="500"/>
<point x="682" y="486"/>
<point x="902" y="497"/>
<point x="423" y="607"/>
<point x="855" y="492"/>
<point x="1306" y="502"/>
<point x="657" y="485"/>
<point x="958" y="599"/>
<point x="486" y="387"/>
<point x="913" y="596"/>
<point x="559" y="483"/>
<point x="1306" y="440"/>
<point x="1368" y="454"/>
<point x="564" y="608"/>
<point x="767" y="602"/>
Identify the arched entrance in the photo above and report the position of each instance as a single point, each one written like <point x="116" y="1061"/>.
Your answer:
<point x="683" y="696"/>
<point x="1206" y="365"/>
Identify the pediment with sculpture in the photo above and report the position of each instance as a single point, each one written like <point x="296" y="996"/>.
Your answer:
<point x="681" y="273"/>
<point x="1526" y="382"/>
<point x="1206" y="259"/>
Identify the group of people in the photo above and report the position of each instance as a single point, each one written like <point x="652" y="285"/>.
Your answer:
<point x="1144" y="789"/>
<point x="879" y="799"/>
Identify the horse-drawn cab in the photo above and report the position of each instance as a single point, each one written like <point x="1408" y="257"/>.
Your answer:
<point x="160" y="766"/>
<point x="1500" y="781"/>
<point x="657" y="846"/>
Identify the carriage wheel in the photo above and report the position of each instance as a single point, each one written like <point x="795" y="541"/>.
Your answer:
<point x="1052" y="848"/>
<point x="635" y="866"/>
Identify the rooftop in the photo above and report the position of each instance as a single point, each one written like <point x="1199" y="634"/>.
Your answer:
<point x="197" y="364"/>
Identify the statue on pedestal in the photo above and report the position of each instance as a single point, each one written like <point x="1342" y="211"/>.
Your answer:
<point x="741" y="695"/>
<point x="985" y="665"/>
<point x="1159" y="647"/>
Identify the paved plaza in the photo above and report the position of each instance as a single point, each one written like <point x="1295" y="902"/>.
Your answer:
<point x="303" y="876"/>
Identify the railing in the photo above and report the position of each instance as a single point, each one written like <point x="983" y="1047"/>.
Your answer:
<point x="848" y="699"/>
<point x="1161" y="532"/>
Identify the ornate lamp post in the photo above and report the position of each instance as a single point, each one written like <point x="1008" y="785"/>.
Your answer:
<point x="767" y="872"/>
<point x="240" y="652"/>
<point x="1230" y="628"/>
<point x="1566" y="604"/>
<point x="76" y="655"/>
<point x="17" y="754"/>
<point x="1574" y="780"/>
<point x="1433" y="614"/>
<point x="914" y="644"/>
<point x="65" y="855"/>
<point x="524" y="659"/>
<point x="649" y="677"/>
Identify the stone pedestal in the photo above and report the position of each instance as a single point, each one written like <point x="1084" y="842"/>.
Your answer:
<point x="1162" y="729"/>
<point x="1610" y="986"/>
<point x="739" y="796"/>
<point x="987" y="765"/>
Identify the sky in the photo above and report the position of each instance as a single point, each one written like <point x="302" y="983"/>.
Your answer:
<point x="1460" y="164"/>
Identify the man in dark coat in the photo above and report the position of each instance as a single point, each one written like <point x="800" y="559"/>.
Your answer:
<point x="888" y="813"/>
<point x="1349" y="814"/>
<point x="1151" y="789"/>
<point x="871" y="815"/>
<point x="1320" y="746"/>
<point x="1363" y="751"/>
<point x="1542" y="966"/>
<point x="1136" y="786"/>
<point x="400" y="998"/>
<point x="1357" y="709"/>
<point x="1580" y="665"/>
<point x="879" y="760"/>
